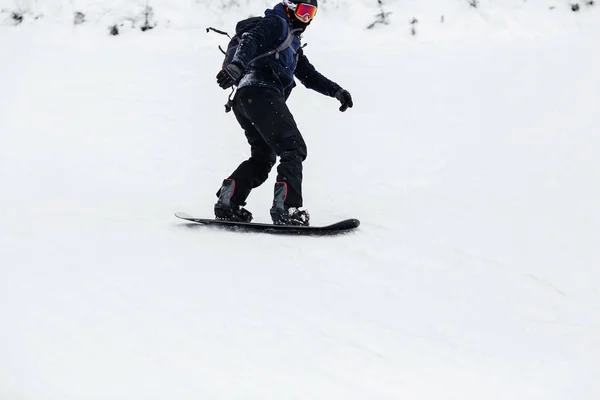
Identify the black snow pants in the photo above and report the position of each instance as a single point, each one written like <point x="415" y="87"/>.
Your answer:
<point x="271" y="131"/>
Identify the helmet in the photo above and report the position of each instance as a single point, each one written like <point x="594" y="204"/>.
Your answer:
<point x="305" y="10"/>
<point x="309" y="2"/>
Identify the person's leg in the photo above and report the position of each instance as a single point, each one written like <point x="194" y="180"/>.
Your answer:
<point x="273" y="120"/>
<point x="253" y="172"/>
<point x="248" y="175"/>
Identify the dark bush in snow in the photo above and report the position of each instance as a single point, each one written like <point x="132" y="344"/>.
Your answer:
<point x="382" y="17"/>
<point x="79" y="18"/>
<point x="413" y="29"/>
<point x="17" y="17"/>
<point x="148" y="15"/>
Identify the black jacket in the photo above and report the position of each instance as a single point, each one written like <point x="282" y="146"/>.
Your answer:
<point x="278" y="72"/>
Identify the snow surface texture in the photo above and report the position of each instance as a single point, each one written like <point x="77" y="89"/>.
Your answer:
<point x="471" y="158"/>
<point x="431" y="19"/>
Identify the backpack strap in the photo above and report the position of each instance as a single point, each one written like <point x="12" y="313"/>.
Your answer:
<point x="284" y="45"/>
<point x="210" y="28"/>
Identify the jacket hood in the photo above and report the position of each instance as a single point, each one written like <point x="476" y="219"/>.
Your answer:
<point x="295" y="24"/>
<point x="278" y="10"/>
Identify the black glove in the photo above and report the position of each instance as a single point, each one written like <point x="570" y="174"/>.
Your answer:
<point x="230" y="75"/>
<point x="345" y="98"/>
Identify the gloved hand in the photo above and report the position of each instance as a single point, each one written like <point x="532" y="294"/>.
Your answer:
<point x="230" y="75"/>
<point x="345" y="98"/>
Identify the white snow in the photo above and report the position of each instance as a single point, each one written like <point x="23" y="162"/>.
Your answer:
<point x="470" y="157"/>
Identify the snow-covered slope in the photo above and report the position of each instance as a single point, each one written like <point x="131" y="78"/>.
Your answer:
<point x="431" y="19"/>
<point x="470" y="160"/>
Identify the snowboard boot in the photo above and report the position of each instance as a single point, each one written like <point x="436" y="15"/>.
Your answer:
<point x="282" y="214"/>
<point x="228" y="210"/>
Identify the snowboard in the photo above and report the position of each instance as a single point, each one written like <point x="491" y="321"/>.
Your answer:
<point x="337" y="228"/>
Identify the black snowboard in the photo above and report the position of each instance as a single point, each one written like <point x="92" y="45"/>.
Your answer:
<point x="333" y="229"/>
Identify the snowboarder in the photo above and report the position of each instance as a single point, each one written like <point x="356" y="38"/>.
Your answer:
<point x="264" y="75"/>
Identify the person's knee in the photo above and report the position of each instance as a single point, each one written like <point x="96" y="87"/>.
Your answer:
<point x="294" y="150"/>
<point x="295" y="156"/>
<point x="264" y="162"/>
<point x="262" y="167"/>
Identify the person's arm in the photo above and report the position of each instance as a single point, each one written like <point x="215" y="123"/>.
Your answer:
<point x="313" y="79"/>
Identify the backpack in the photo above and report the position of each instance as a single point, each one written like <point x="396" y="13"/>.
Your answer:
<point x="242" y="27"/>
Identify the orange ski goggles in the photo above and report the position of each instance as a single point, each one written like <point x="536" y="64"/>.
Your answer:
<point x="305" y="12"/>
